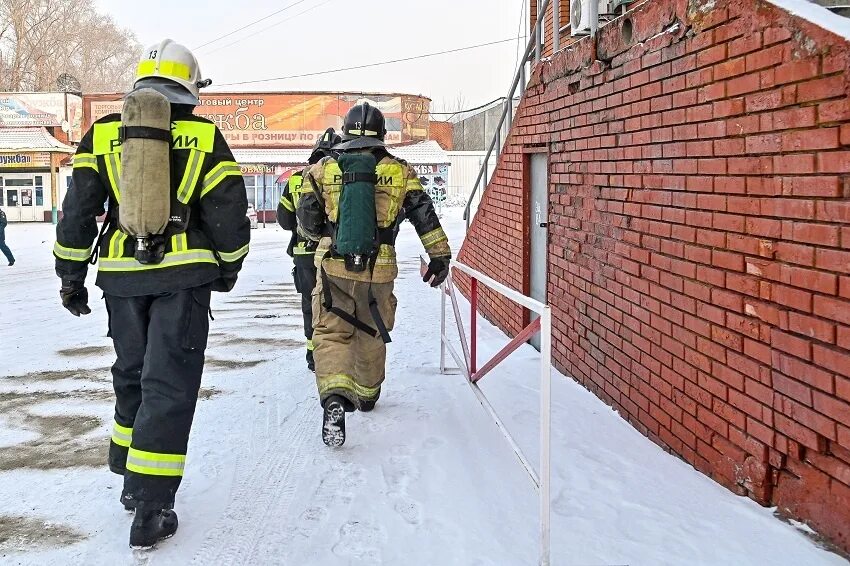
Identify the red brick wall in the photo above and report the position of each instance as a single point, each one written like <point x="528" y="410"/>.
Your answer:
<point x="441" y="132"/>
<point x="699" y="253"/>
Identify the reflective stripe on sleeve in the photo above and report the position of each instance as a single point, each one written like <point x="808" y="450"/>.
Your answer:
<point x="433" y="237"/>
<point x="85" y="160"/>
<point x="155" y="464"/>
<point x="218" y="174"/>
<point x="310" y="346"/>
<point x="234" y="256"/>
<point x="122" y="435"/>
<point x="71" y="254"/>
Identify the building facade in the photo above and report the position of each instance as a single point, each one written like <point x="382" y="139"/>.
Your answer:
<point x="271" y="133"/>
<point x="687" y="174"/>
<point x="35" y="132"/>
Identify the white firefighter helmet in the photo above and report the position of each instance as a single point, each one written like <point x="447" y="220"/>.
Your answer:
<point x="171" y="69"/>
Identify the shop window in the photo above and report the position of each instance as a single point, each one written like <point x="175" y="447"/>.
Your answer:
<point x="251" y="190"/>
<point x="39" y="196"/>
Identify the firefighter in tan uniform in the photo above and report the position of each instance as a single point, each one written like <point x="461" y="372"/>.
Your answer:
<point x="353" y="206"/>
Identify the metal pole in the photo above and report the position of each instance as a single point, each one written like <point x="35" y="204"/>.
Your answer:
<point x="556" y="25"/>
<point x="538" y="41"/>
<point x="545" y="434"/>
<point x="264" y="196"/>
<point x="473" y="325"/>
<point x="594" y="18"/>
<point x="443" y="325"/>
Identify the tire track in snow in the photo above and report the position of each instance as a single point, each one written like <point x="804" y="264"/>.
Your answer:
<point x="266" y="475"/>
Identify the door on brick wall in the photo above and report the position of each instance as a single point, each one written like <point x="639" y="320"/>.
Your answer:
<point x="539" y="221"/>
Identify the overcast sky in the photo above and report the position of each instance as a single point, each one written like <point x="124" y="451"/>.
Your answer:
<point x="329" y="34"/>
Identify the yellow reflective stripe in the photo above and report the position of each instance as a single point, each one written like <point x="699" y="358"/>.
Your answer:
<point x="168" y="69"/>
<point x="172" y="259"/>
<point x="179" y="243"/>
<point x="433" y="237"/>
<point x="394" y="173"/>
<point x="287" y="204"/>
<point x="363" y="133"/>
<point x="188" y="134"/>
<point x="338" y="381"/>
<point x="234" y="256"/>
<point x="85" y="160"/>
<point x="310" y="345"/>
<point x="190" y="176"/>
<point x="71" y="254"/>
<point x="116" y="244"/>
<point x="113" y="171"/>
<point x="106" y="138"/>
<point x="122" y="435"/>
<point x="218" y="174"/>
<point x="155" y="464"/>
<point x="366" y="392"/>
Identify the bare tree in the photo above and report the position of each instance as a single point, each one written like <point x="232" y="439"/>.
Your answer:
<point x="42" y="39"/>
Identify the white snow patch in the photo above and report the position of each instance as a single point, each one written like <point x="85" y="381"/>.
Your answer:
<point x="817" y="15"/>
<point x="11" y="435"/>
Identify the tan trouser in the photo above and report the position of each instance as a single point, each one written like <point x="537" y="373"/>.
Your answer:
<point x="349" y="362"/>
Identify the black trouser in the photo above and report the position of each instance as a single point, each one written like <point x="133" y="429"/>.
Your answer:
<point x="159" y="342"/>
<point x="305" y="282"/>
<point x="5" y="249"/>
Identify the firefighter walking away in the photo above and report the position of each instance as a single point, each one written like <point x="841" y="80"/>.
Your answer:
<point x="301" y="249"/>
<point x="352" y="207"/>
<point x="175" y="231"/>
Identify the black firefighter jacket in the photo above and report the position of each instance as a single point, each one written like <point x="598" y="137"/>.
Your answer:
<point x="205" y="178"/>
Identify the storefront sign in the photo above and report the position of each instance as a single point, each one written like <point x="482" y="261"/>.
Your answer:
<point x="293" y="120"/>
<point x="24" y="160"/>
<point x="49" y="109"/>
<point x="434" y="179"/>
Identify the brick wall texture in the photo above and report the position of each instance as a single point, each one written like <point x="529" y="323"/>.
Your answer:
<point x="699" y="252"/>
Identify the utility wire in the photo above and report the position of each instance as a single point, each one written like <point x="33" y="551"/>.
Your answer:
<point x="501" y="98"/>
<point x="301" y="13"/>
<point x="369" y="65"/>
<point x="264" y="18"/>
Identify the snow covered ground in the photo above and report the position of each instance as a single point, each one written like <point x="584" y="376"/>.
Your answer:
<point x="426" y="479"/>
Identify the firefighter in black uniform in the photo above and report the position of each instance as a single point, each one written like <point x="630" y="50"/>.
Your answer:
<point x="303" y="251"/>
<point x="158" y="314"/>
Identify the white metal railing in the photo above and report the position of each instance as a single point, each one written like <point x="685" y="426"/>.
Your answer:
<point x="467" y="362"/>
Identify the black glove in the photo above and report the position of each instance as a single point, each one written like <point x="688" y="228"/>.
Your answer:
<point x="438" y="268"/>
<point x="223" y="284"/>
<point x="75" y="297"/>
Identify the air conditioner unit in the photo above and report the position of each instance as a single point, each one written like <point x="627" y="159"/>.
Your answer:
<point x="580" y="14"/>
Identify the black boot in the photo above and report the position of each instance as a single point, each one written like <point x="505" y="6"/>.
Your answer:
<point x="367" y="405"/>
<point x="150" y="527"/>
<point x="333" y="421"/>
<point x="311" y="364"/>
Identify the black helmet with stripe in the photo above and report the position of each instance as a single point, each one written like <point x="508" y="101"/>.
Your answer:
<point x="364" y="127"/>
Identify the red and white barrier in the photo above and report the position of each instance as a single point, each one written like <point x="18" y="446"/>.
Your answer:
<point x="467" y="363"/>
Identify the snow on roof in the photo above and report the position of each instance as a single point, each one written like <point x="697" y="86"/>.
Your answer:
<point x="31" y="139"/>
<point x="817" y="15"/>
<point x="422" y="153"/>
